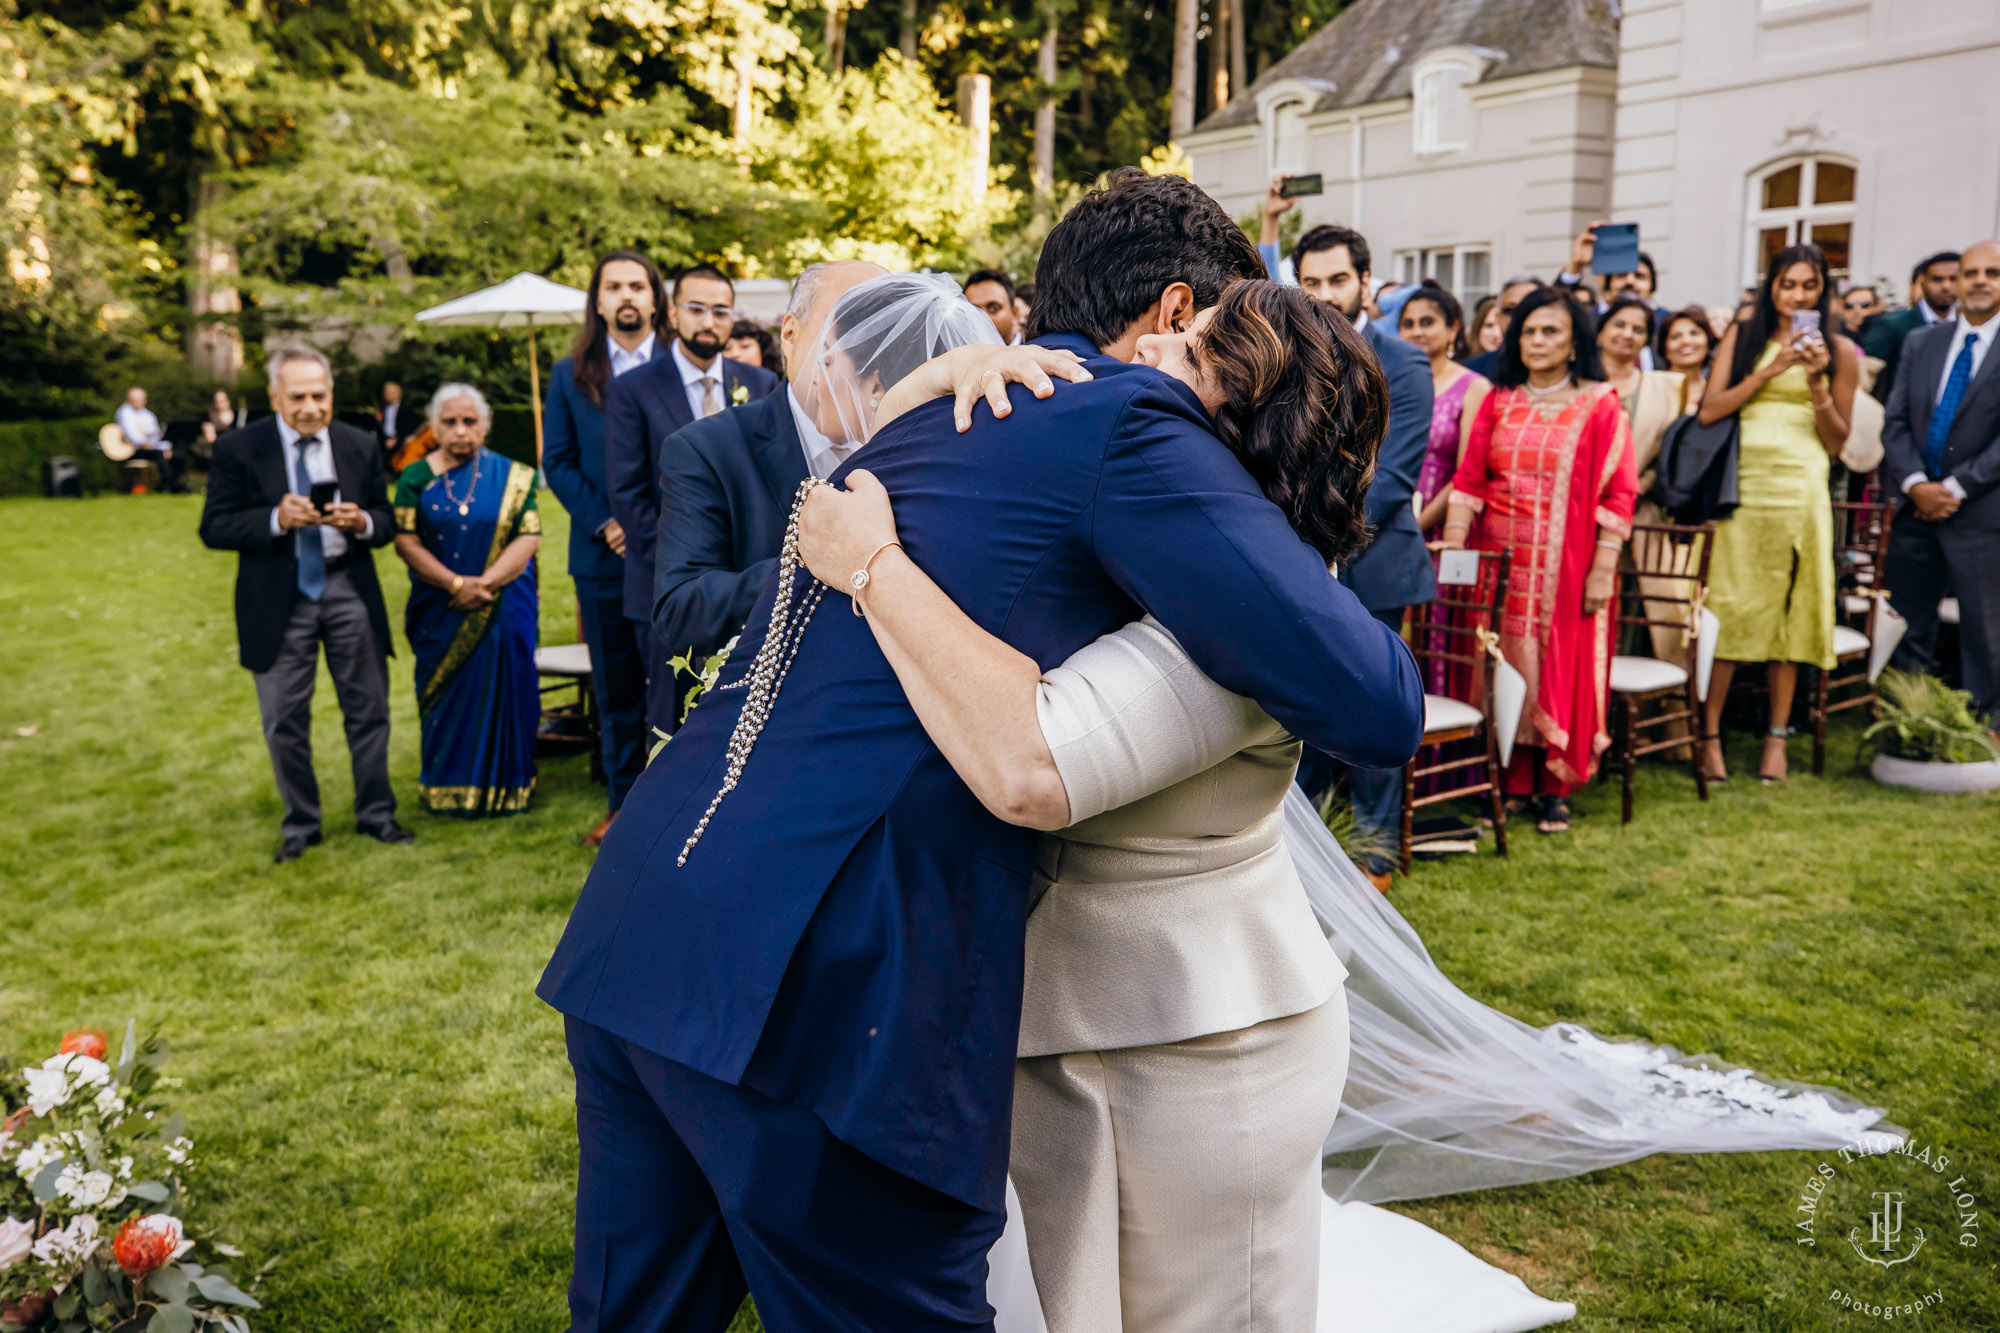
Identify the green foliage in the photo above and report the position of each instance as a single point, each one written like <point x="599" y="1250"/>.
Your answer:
<point x="1920" y="718"/>
<point x="26" y="445"/>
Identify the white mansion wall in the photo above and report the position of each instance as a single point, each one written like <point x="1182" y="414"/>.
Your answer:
<point x="1536" y="169"/>
<point x="1714" y="92"/>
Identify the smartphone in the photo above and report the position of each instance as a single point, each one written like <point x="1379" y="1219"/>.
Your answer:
<point x="1296" y="187"/>
<point x="1617" y="249"/>
<point x="1805" y="323"/>
<point x="324" y="493"/>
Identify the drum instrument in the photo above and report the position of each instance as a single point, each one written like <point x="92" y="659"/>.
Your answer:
<point x="114" y="444"/>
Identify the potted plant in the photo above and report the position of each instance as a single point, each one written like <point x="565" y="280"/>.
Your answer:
<point x="1926" y="737"/>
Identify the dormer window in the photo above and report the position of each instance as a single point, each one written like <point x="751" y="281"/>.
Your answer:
<point x="1441" y="90"/>
<point x="1288" y="138"/>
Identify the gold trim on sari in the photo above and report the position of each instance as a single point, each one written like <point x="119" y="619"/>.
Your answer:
<point x="520" y="484"/>
<point x="476" y="800"/>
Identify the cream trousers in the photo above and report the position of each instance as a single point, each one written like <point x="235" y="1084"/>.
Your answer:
<point x="1171" y="1188"/>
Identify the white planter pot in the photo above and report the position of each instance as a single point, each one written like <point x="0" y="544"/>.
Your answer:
<point x="1982" y="776"/>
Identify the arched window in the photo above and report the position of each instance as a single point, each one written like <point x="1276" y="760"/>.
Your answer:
<point x="1799" y="201"/>
<point x="1441" y="93"/>
<point x="1288" y="138"/>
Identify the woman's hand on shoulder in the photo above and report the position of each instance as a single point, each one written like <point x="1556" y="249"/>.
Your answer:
<point x="983" y="371"/>
<point x="839" y="529"/>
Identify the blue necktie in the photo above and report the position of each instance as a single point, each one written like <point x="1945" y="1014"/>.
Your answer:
<point x="1947" y="408"/>
<point x="311" y="551"/>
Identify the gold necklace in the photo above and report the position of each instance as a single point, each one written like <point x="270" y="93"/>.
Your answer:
<point x="767" y="673"/>
<point x="465" y="505"/>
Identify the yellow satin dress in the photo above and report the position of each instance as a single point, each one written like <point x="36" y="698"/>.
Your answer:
<point x="1771" y="580"/>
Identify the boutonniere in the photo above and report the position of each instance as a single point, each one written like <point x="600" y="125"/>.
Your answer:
<point x="739" y="395"/>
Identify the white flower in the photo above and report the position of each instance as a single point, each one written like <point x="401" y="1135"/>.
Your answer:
<point x="36" y="1156"/>
<point x="85" y="1189"/>
<point x="73" y="1242"/>
<point x="177" y="1151"/>
<point x="86" y="1070"/>
<point x="124" y="1168"/>
<point x="17" y="1240"/>
<point x="109" y="1103"/>
<point x="47" y="1089"/>
<point x="170" y="1227"/>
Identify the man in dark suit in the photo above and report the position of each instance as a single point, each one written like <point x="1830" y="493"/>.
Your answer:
<point x="624" y="329"/>
<point x="794" y="1045"/>
<point x="1394" y="573"/>
<point x="305" y="577"/>
<point x="1936" y="281"/>
<point x="1941" y="444"/>
<point x="392" y="420"/>
<point x="727" y="485"/>
<point x="694" y="380"/>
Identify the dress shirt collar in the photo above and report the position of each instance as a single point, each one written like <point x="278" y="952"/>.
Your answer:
<point x="622" y="360"/>
<point x="291" y="437"/>
<point x="1963" y="328"/>
<point x="1360" y="321"/>
<point x="691" y="373"/>
<point x="1931" y="316"/>
<point x="822" y="454"/>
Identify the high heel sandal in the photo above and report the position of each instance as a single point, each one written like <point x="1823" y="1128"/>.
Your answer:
<point x="1720" y="773"/>
<point x="1764" y="774"/>
<point x="1555" y="815"/>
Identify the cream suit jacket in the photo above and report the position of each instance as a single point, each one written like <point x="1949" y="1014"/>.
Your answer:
<point x="1169" y="908"/>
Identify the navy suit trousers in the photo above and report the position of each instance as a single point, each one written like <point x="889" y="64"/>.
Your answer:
<point x="618" y="667"/>
<point x="692" y="1191"/>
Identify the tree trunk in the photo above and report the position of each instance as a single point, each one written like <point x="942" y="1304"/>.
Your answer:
<point x="741" y="111"/>
<point x="214" y="347"/>
<point x="975" y="112"/>
<point x="1187" y="15"/>
<point x="1237" y="80"/>
<point x="1218" y="54"/>
<point x="907" y="39"/>
<point x="1044" y="174"/>
<point x="836" y="36"/>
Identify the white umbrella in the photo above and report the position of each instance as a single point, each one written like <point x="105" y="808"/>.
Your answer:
<point x="523" y="301"/>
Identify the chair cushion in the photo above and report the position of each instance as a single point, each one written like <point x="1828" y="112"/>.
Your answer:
<point x="564" y="659"/>
<point x="1643" y="675"/>
<point x="1948" y="610"/>
<point x="1444" y="714"/>
<point x="1854" y="604"/>
<point x="1847" y="642"/>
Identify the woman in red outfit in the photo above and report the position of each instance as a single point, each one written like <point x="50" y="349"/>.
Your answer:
<point x="1548" y="474"/>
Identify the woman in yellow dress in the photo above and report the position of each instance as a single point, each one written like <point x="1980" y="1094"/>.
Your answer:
<point x="1771" y="580"/>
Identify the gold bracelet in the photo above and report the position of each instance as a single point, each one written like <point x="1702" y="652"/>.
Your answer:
<point x="859" y="580"/>
<point x="1611" y="546"/>
<point x="457" y="582"/>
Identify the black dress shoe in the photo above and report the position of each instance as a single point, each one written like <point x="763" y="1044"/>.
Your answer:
<point x="390" y="832"/>
<point x="293" y="848"/>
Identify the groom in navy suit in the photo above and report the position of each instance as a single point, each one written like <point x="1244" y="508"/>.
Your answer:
<point x="691" y="381"/>
<point x="794" y="1053"/>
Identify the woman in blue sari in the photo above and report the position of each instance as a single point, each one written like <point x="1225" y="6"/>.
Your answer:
<point x="467" y="526"/>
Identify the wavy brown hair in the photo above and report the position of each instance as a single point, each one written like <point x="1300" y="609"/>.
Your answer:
<point x="1304" y="407"/>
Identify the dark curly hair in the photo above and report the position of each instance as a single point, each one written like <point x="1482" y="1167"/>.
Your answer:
<point x="1304" y="407"/>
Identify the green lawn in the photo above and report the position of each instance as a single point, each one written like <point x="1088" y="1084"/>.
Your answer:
<point x="384" y="1107"/>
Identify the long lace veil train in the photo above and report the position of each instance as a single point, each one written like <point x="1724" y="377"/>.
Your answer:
<point x="1446" y="1095"/>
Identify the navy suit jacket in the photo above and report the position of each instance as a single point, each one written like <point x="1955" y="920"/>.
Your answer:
<point x="726" y="490"/>
<point x="1396" y="570"/>
<point x="1971" y="449"/>
<point x="641" y="409"/>
<point x="848" y="934"/>
<point x="573" y="462"/>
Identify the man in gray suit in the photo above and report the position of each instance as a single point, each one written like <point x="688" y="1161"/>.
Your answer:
<point x="1942" y="447"/>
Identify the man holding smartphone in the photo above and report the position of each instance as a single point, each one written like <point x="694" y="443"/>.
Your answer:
<point x="301" y="498"/>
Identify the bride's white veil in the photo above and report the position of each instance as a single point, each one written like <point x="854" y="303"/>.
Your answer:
<point x="880" y="331"/>
<point x="1445" y="1094"/>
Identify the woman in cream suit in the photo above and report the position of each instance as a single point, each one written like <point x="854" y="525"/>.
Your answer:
<point x="1184" y="1031"/>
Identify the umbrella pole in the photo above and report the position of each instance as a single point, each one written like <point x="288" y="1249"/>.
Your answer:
<point x="535" y="389"/>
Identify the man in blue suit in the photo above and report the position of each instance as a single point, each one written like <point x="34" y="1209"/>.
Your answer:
<point x="622" y="323"/>
<point x="1941" y="447"/>
<point x="726" y="488"/>
<point x="793" y="1031"/>
<point x="692" y="381"/>
<point x="1394" y="573"/>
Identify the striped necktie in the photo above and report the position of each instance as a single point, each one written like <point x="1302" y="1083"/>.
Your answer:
<point x="1947" y="408"/>
<point x="308" y="542"/>
<point x="711" y="395"/>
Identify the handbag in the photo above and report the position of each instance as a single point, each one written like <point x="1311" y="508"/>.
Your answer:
<point x="1697" y="478"/>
